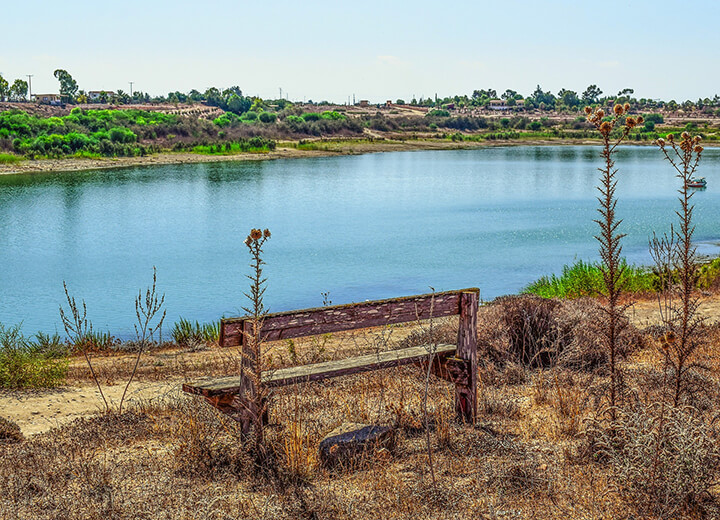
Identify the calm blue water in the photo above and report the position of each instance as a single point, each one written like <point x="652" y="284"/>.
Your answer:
<point x="360" y="227"/>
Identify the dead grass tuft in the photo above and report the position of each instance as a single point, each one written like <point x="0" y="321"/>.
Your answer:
<point x="10" y="432"/>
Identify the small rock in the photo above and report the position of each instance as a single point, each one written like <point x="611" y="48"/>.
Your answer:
<point x="351" y="440"/>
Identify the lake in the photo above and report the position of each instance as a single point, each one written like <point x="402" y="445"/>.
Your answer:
<point x="359" y="227"/>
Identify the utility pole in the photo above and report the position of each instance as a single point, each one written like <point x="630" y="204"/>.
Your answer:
<point x="280" y="92"/>
<point x="29" y="77"/>
<point x="131" y="84"/>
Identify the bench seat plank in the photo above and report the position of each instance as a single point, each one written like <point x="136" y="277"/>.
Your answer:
<point x="210" y="387"/>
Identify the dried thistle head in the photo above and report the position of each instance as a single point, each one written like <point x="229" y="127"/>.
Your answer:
<point x="588" y="110"/>
<point x="605" y="128"/>
<point x="660" y="142"/>
<point x="630" y="122"/>
<point x="698" y="149"/>
<point x="671" y="138"/>
<point x="685" y="136"/>
<point x="266" y="233"/>
<point x="640" y="120"/>
<point x="600" y="113"/>
<point x="618" y="109"/>
<point x="255" y="234"/>
<point x="626" y="106"/>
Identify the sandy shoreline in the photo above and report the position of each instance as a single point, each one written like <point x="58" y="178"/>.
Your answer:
<point x="331" y="148"/>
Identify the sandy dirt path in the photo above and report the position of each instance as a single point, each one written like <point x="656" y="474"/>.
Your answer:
<point x="40" y="410"/>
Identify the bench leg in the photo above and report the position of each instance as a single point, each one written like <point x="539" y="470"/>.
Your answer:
<point x="233" y="406"/>
<point x="466" y="385"/>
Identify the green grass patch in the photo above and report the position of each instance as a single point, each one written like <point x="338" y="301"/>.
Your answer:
<point x="586" y="279"/>
<point x="25" y="363"/>
<point x="252" y="145"/>
<point x="189" y="334"/>
<point x="85" y="154"/>
<point x="9" y="158"/>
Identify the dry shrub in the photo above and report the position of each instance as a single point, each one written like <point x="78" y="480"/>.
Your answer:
<point x="443" y="331"/>
<point x="537" y="332"/>
<point x="10" y="432"/>
<point x="664" y="459"/>
<point x="207" y="444"/>
<point x="520" y="329"/>
<point x="581" y="322"/>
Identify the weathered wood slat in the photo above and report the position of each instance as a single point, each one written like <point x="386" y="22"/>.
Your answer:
<point x="318" y="371"/>
<point x="322" y="320"/>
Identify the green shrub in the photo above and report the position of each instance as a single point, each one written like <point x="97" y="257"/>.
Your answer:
<point x="311" y="116"/>
<point x="250" y="116"/>
<point x="535" y="125"/>
<point x="709" y="275"/>
<point x="25" y="365"/>
<point x="267" y="117"/>
<point x="122" y="135"/>
<point x="438" y="113"/>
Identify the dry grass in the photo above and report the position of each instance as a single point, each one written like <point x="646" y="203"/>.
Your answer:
<point x="527" y="456"/>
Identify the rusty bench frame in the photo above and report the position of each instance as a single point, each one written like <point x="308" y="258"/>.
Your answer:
<point x="461" y="368"/>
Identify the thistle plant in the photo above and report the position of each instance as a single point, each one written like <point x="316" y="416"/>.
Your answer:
<point x="252" y="341"/>
<point x="676" y="255"/>
<point x="610" y="249"/>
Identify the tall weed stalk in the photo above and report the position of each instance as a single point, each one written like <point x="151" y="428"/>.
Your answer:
<point x="146" y="310"/>
<point x="613" y="270"/>
<point x="79" y="331"/>
<point x="675" y="255"/>
<point x="251" y="368"/>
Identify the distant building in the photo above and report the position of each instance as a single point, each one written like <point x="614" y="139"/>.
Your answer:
<point x="364" y="102"/>
<point x="502" y="104"/>
<point x="95" y="95"/>
<point x="47" y="98"/>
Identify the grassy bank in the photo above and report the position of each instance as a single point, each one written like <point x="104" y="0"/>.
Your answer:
<point x="586" y="279"/>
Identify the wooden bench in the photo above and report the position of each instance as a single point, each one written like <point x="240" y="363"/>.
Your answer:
<point x="457" y="363"/>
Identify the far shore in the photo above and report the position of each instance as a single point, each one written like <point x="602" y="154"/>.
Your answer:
<point x="327" y="148"/>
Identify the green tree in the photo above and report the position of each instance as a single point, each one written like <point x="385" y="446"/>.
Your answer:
<point x="545" y="100"/>
<point x="509" y="94"/>
<point x="569" y="98"/>
<point x="3" y="88"/>
<point x="68" y="86"/>
<point x="591" y="94"/>
<point x="19" y="90"/>
<point x="237" y="104"/>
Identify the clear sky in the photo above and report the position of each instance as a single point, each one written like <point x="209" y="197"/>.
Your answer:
<point x="376" y="50"/>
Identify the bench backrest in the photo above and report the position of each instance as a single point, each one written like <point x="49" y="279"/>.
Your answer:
<point x="322" y="320"/>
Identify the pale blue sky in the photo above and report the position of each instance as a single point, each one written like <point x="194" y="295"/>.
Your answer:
<point x="376" y="50"/>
